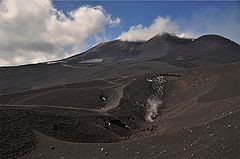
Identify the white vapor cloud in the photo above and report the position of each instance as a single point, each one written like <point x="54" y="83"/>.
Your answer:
<point x="159" y="25"/>
<point x="208" y="21"/>
<point x="34" y="31"/>
<point x="152" y="110"/>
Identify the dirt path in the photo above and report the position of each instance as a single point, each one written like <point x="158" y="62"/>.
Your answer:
<point x="110" y="104"/>
<point x="115" y="102"/>
<point x="48" y="106"/>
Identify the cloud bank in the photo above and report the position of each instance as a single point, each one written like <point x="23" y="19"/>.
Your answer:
<point x="34" y="31"/>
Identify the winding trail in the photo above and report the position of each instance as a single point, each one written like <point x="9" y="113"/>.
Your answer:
<point x="115" y="102"/>
<point x="47" y="106"/>
<point x="111" y="104"/>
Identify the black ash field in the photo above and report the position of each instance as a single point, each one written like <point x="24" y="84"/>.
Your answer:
<point x="167" y="97"/>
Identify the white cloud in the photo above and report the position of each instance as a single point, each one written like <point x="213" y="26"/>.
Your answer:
<point x="225" y="22"/>
<point x="34" y="31"/>
<point x="159" y="25"/>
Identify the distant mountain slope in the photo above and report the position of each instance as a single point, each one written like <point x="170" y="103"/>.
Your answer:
<point x="158" y="46"/>
<point x="114" y="50"/>
<point x="206" y="50"/>
<point x="161" y="45"/>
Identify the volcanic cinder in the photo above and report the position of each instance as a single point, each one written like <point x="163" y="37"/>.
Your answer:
<point x="168" y="97"/>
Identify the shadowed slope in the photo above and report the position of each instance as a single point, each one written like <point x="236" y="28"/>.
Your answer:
<point x="206" y="50"/>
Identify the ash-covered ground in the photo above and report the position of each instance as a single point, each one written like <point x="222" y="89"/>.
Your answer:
<point x="156" y="99"/>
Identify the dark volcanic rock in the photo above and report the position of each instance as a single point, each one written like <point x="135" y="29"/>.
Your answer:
<point x="114" y="91"/>
<point x="115" y="50"/>
<point x="158" y="46"/>
<point x="161" y="45"/>
<point x="206" y="50"/>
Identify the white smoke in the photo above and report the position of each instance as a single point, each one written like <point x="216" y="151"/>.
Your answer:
<point x="153" y="104"/>
<point x="159" y="26"/>
<point x="211" y="20"/>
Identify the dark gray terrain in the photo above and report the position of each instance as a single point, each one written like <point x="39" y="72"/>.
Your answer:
<point x="168" y="97"/>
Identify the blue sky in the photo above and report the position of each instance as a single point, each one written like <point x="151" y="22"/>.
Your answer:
<point x="144" y="12"/>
